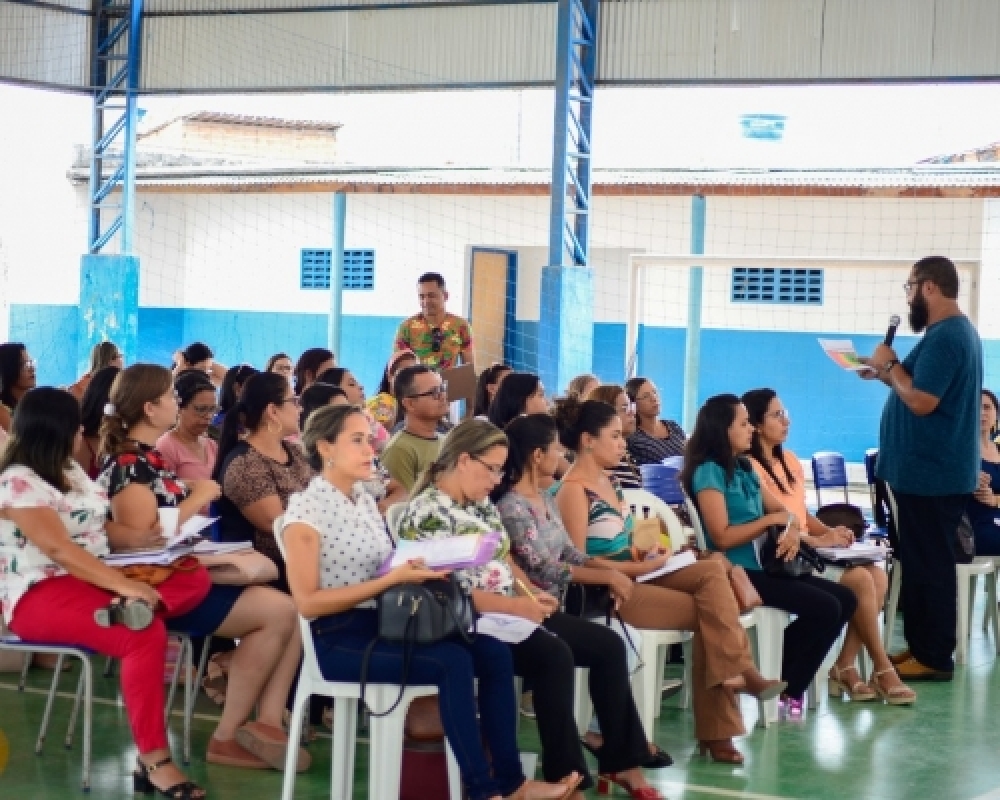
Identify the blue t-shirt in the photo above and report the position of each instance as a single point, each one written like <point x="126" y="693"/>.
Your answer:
<point x="983" y="517"/>
<point x="744" y="503"/>
<point x="937" y="454"/>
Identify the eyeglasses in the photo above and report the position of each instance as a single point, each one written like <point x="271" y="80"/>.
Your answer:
<point x="910" y="284"/>
<point x="30" y="364"/>
<point x="437" y="338"/>
<point x="497" y="472"/>
<point x="626" y="408"/>
<point x="205" y="411"/>
<point x="781" y="414"/>
<point x="294" y="400"/>
<point x="436" y="392"/>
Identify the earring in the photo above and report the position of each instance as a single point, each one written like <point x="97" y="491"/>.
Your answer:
<point x="329" y="462"/>
<point x="273" y="433"/>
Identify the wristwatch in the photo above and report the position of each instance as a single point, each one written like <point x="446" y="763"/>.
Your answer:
<point x="887" y="367"/>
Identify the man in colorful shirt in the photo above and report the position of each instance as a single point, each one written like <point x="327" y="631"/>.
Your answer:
<point x="438" y="338"/>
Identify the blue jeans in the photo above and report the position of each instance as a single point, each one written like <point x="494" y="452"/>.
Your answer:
<point x="451" y="666"/>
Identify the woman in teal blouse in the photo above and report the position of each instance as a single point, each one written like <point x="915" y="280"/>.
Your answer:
<point x="735" y="511"/>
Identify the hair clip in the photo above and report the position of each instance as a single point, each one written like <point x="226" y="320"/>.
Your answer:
<point x="109" y="409"/>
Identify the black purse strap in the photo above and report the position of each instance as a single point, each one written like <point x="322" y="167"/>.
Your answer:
<point x="409" y="634"/>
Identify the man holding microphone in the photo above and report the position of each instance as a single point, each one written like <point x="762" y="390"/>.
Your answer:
<point x="929" y="455"/>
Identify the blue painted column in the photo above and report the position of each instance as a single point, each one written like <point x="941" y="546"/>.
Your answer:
<point x="566" y="322"/>
<point x="692" y="343"/>
<point x="109" y="306"/>
<point x="335" y="325"/>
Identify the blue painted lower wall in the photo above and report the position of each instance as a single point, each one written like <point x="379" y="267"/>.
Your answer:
<point x="831" y="409"/>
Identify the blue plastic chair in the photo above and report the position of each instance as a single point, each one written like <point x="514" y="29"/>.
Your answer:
<point x="661" y="481"/>
<point x="829" y="472"/>
<point x="673" y="461"/>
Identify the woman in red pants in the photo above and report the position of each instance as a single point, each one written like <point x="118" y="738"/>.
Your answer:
<point x="55" y="588"/>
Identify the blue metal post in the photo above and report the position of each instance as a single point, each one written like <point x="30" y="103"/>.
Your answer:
<point x="335" y="327"/>
<point x="692" y="345"/>
<point x="566" y="332"/>
<point x="131" y="123"/>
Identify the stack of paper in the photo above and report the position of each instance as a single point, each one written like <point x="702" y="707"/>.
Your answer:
<point x="452" y="552"/>
<point x="677" y="561"/>
<point x="857" y="550"/>
<point x="183" y="542"/>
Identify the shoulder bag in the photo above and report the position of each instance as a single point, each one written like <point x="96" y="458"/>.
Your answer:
<point x="805" y="562"/>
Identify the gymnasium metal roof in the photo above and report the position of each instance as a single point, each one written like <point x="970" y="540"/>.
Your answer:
<point x="341" y="45"/>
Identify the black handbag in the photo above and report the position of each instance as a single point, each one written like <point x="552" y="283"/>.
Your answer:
<point x="588" y="601"/>
<point x="418" y="613"/>
<point x="805" y="562"/>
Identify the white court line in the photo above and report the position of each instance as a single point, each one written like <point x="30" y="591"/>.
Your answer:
<point x="673" y="786"/>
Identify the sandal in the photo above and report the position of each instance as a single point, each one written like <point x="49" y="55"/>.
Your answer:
<point x="232" y="754"/>
<point x="136" y="615"/>
<point x="858" y="691"/>
<point x="901" y="695"/>
<point x="270" y="744"/>
<point x="215" y="682"/>
<point x="185" y="790"/>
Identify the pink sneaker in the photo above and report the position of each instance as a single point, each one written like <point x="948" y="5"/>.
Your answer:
<point x="790" y="707"/>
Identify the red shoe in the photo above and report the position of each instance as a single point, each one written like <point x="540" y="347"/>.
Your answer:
<point x="605" y="781"/>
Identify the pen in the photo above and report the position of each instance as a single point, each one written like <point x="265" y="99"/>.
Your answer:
<point x="525" y="589"/>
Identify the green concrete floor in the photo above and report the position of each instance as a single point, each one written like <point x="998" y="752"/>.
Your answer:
<point x="945" y="748"/>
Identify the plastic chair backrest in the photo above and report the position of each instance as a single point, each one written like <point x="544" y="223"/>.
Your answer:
<point x="639" y="498"/>
<point x="699" y="530"/>
<point x="310" y="662"/>
<point x="393" y="515"/>
<point x="829" y="472"/>
<point x="894" y="510"/>
<point x="870" y="458"/>
<point x="661" y="480"/>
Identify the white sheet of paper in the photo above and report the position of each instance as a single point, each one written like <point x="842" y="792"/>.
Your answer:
<point x="677" y="561"/>
<point x="436" y="552"/>
<point x="190" y="531"/>
<point x="856" y="550"/>
<point x="506" y="627"/>
<point x="843" y="353"/>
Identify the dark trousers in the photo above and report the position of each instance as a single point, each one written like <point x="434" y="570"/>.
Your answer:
<point x="929" y="592"/>
<point x="451" y="665"/>
<point x="548" y="661"/>
<point x="821" y="608"/>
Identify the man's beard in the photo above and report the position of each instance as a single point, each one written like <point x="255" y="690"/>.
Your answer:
<point x="919" y="314"/>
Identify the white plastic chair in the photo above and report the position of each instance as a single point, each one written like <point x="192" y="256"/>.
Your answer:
<point x="84" y="691"/>
<point x="967" y="576"/>
<point x="393" y="514"/>
<point x="385" y="749"/>
<point x="185" y="662"/>
<point x="765" y="626"/>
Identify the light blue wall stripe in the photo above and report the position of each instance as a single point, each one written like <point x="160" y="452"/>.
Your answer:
<point x="830" y="408"/>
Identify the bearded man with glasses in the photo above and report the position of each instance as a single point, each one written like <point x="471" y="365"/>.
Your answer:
<point x="423" y="397"/>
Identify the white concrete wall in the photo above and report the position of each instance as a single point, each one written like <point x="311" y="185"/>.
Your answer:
<point x="241" y="251"/>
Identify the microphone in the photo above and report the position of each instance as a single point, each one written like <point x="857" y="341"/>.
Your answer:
<point x="890" y="334"/>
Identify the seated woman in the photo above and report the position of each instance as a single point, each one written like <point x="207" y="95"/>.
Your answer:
<point x="53" y="585"/>
<point x="781" y="474"/>
<point x="311" y="363"/>
<point x="229" y="394"/>
<point x="539" y="542"/>
<point x="486" y="388"/>
<point x="262" y="619"/>
<point x="282" y="364"/>
<point x="342" y="378"/>
<point x="17" y="376"/>
<point x="654" y="439"/>
<point x="186" y="449"/>
<point x="104" y="354"/>
<point x="317" y="396"/>
<point x="982" y="508"/>
<point x="696" y="598"/>
<point x="199" y="356"/>
<point x="519" y="393"/>
<point x="95" y="398"/>
<point x="735" y="511"/>
<point x="626" y="473"/>
<point x="450" y="499"/>
<point x="383" y="405"/>
<point x="581" y="386"/>
<point x="333" y="516"/>
<point x="260" y="470"/>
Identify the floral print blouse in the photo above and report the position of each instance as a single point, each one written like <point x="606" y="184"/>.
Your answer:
<point x="434" y="515"/>
<point x="146" y="467"/>
<point x="540" y="542"/>
<point x="83" y="510"/>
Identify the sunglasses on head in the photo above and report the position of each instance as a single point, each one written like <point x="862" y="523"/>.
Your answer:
<point x="437" y="338"/>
